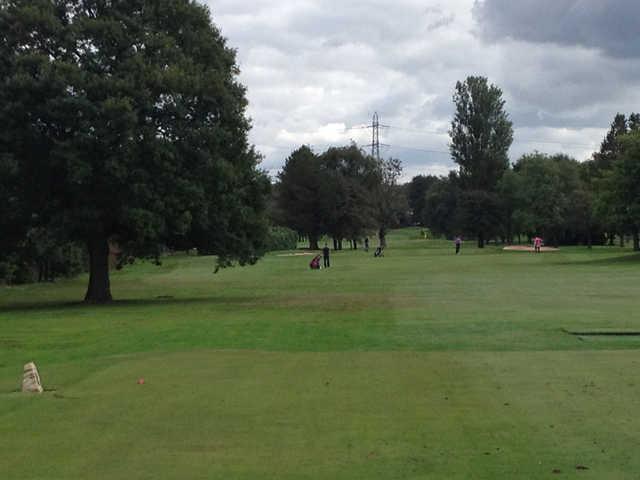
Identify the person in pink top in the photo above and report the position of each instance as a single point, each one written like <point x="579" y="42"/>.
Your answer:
<point x="537" y="243"/>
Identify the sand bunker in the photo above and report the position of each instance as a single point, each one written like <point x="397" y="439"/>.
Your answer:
<point x="525" y="248"/>
<point x="305" y="254"/>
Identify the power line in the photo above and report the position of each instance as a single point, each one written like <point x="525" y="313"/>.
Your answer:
<point x="550" y="142"/>
<point x="375" y="140"/>
<point x="417" y="149"/>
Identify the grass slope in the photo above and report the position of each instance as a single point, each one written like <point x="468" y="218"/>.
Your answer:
<point x="417" y="365"/>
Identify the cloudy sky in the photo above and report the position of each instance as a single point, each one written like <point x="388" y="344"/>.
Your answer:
<point x="316" y="70"/>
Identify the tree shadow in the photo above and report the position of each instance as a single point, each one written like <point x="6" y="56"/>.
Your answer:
<point x="158" y="301"/>
<point x="627" y="259"/>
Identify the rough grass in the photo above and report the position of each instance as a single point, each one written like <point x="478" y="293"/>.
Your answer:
<point x="417" y="365"/>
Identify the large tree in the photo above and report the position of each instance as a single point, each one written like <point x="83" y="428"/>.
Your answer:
<point x="391" y="204"/>
<point x="481" y="134"/>
<point x="124" y="121"/>
<point x="349" y="186"/>
<point x="298" y="195"/>
<point x="622" y="186"/>
<point x="598" y="169"/>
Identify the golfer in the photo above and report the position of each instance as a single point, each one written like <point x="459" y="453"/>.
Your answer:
<point x="458" y="244"/>
<point x="537" y="244"/>
<point x="325" y="256"/>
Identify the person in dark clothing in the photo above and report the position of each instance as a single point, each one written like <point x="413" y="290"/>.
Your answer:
<point x="325" y="256"/>
<point x="366" y="244"/>
<point x="458" y="243"/>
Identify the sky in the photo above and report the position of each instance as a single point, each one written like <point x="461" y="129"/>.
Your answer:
<point x="317" y="70"/>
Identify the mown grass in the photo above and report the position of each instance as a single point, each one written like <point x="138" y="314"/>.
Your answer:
<point x="417" y="365"/>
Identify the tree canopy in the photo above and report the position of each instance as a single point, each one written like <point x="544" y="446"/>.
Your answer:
<point x="124" y="122"/>
<point x="342" y="192"/>
<point x="481" y="134"/>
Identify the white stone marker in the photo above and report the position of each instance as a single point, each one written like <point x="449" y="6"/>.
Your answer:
<point x="31" y="379"/>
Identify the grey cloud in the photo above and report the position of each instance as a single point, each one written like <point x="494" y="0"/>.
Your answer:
<point x="608" y="25"/>
<point x="441" y="22"/>
<point x="312" y="64"/>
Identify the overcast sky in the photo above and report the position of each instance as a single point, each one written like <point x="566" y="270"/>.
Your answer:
<point x="315" y="69"/>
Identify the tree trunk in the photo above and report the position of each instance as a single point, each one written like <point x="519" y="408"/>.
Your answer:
<point x="99" y="290"/>
<point x="335" y="244"/>
<point x="589" y="239"/>
<point x="622" y="240"/>
<point x="382" y="236"/>
<point x="636" y="240"/>
<point x="355" y="244"/>
<point x="611" y="239"/>
<point x="313" y="242"/>
<point x="481" y="240"/>
<point x="41" y="277"/>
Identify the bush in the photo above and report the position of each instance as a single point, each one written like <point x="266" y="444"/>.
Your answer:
<point x="8" y="268"/>
<point x="28" y="265"/>
<point x="281" y="238"/>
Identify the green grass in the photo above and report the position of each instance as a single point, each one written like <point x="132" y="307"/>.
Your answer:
<point x="419" y="365"/>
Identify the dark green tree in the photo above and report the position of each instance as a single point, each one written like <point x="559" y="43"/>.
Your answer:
<point x="349" y="185"/>
<point x="417" y="194"/>
<point x="481" y="135"/>
<point x="298" y="195"/>
<point x="610" y="148"/>
<point x="126" y="123"/>
<point x="391" y="205"/>
<point x="509" y="188"/>
<point x="600" y="166"/>
<point x="623" y="184"/>
<point x="441" y="205"/>
<point x="479" y="213"/>
<point x="552" y="200"/>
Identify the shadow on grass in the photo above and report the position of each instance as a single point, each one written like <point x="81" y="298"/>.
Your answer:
<point x="627" y="259"/>
<point x="116" y="304"/>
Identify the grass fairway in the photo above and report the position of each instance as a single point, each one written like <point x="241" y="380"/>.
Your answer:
<point x="419" y="365"/>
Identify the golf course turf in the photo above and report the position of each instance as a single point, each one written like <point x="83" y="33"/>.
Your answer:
<point x="418" y="365"/>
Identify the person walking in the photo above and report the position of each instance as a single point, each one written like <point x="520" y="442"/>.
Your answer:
<point x="537" y="244"/>
<point x="325" y="256"/>
<point x="458" y="244"/>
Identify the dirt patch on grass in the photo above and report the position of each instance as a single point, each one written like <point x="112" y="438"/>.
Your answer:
<point x="526" y="248"/>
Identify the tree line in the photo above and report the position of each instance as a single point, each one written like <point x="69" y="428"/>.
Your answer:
<point x="342" y="193"/>
<point x="124" y="132"/>
<point x="555" y="196"/>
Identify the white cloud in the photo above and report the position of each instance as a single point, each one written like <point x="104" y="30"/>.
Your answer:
<point x="316" y="68"/>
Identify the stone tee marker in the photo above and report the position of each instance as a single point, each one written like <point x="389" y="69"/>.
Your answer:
<point x="31" y="379"/>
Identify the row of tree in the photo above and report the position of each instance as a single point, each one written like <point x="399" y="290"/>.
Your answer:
<point x="124" y="129"/>
<point x="342" y="193"/>
<point x="551" y="195"/>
